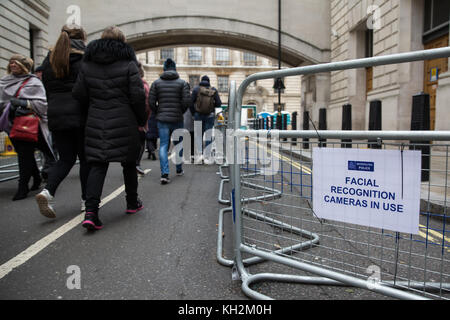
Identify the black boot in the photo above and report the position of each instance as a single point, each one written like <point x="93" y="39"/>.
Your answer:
<point x="22" y="193"/>
<point x="36" y="183"/>
<point x="92" y="221"/>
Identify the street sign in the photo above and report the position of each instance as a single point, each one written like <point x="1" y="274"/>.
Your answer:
<point x="373" y="188"/>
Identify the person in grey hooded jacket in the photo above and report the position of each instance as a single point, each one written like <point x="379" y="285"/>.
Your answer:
<point x="169" y="98"/>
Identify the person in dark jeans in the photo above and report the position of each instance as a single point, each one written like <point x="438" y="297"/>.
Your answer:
<point x="65" y="114"/>
<point x="116" y="110"/>
<point x="170" y="97"/>
<point x="207" y="120"/>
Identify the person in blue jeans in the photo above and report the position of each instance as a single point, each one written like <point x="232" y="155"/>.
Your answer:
<point x="169" y="98"/>
<point x="207" y="120"/>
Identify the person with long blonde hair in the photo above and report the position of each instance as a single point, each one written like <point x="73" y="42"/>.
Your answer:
<point x="66" y="116"/>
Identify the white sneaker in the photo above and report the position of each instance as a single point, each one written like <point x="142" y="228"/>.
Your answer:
<point x="45" y="202"/>
<point x="198" y="160"/>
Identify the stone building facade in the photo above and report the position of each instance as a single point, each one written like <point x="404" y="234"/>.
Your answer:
<point x="24" y="30"/>
<point x="365" y="28"/>
<point x="332" y="30"/>
<point x="223" y="65"/>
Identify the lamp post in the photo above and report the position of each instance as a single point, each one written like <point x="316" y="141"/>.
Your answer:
<point x="279" y="85"/>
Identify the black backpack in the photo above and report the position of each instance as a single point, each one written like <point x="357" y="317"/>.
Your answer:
<point x="205" y="103"/>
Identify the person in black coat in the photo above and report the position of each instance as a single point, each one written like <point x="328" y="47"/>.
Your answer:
<point x="152" y="137"/>
<point x="110" y="84"/>
<point x="66" y="117"/>
<point x="170" y="97"/>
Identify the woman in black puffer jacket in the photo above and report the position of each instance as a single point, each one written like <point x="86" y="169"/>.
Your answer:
<point x="110" y="83"/>
<point x="66" y="117"/>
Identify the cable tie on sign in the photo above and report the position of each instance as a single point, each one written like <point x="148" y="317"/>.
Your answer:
<point x="315" y="215"/>
<point x="317" y="132"/>
<point x="402" y="148"/>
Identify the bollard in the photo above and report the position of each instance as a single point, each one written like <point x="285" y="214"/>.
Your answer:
<point x="284" y="122"/>
<point x="420" y="120"/>
<point x="375" y="122"/>
<point x="294" y="126"/>
<point x="279" y="121"/>
<point x="346" y="124"/>
<point x="322" y="125"/>
<point x="306" y="127"/>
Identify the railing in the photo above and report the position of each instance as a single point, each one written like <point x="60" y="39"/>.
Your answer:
<point x="273" y="212"/>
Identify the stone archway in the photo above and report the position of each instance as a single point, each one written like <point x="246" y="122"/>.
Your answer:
<point x="189" y="30"/>
<point x="247" y="25"/>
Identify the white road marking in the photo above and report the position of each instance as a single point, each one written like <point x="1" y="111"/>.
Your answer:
<point x="34" y="249"/>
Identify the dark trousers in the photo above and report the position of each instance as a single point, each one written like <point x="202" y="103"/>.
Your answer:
<point x="70" y="145"/>
<point x="152" y="144"/>
<point x="27" y="162"/>
<point x="96" y="180"/>
<point x="141" y="153"/>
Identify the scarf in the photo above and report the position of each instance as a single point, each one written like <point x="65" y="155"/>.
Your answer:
<point x="33" y="91"/>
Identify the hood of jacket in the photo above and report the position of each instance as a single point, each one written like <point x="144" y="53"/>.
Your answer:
<point x="107" y="51"/>
<point x="170" y="75"/>
<point x="78" y="46"/>
<point x="78" y="49"/>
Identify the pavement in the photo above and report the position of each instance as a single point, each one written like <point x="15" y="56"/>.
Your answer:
<point x="165" y="252"/>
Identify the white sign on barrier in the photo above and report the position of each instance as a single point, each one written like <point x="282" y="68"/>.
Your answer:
<point x="374" y="188"/>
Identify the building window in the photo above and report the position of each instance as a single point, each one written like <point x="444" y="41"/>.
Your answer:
<point x="436" y="19"/>
<point x="222" y="82"/>
<point x="195" y="55"/>
<point x="369" y="43"/>
<point x="167" y="53"/>
<point x="222" y="56"/>
<point x="249" y="59"/>
<point x="194" y="81"/>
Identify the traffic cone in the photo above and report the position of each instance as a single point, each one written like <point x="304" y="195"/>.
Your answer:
<point x="9" y="149"/>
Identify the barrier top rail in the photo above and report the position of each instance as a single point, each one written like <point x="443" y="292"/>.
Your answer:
<point x="341" y="65"/>
<point x="357" y="135"/>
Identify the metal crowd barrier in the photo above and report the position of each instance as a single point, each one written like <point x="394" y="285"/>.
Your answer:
<point x="9" y="167"/>
<point x="8" y="160"/>
<point x="273" y="217"/>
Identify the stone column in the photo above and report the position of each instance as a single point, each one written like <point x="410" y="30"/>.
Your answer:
<point x="357" y="80"/>
<point x="442" y="99"/>
<point x="410" y="75"/>
<point x="323" y="83"/>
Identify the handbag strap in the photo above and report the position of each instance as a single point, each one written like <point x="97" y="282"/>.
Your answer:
<point x="21" y="87"/>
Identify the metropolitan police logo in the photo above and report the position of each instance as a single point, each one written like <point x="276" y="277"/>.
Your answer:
<point x="361" y="166"/>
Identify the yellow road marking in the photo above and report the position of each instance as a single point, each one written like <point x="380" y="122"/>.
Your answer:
<point x="434" y="233"/>
<point x="284" y="158"/>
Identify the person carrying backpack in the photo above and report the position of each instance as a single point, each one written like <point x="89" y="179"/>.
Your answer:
<point x="205" y="100"/>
